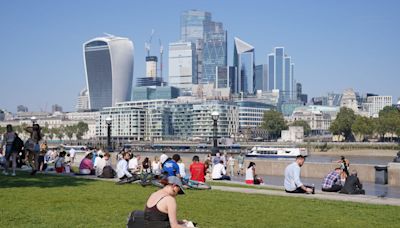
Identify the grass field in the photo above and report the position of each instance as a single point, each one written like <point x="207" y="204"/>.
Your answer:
<point x="57" y="201"/>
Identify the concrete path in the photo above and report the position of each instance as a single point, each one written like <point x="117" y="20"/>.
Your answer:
<point x="279" y="191"/>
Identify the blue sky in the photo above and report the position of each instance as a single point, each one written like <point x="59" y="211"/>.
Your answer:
<point x="334" y="44"/>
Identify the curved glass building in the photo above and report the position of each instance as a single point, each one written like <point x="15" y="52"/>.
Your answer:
<point x="109" y="70"/>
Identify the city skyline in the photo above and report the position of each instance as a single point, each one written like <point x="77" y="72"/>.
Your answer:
<point x="334" y="45"/>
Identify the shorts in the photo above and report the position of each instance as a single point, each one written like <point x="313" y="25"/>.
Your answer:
<point x="60" y="169"/>
<point x="249" y="181"/>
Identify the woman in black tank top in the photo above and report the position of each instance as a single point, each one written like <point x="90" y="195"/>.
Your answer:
<point x="153" y="216"/>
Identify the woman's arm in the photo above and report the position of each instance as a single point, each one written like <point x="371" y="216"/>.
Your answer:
<point x="172" y="208"/>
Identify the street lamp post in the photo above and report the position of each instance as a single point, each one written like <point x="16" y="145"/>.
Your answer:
<point x="215" y="116"/>
<point x="108" y="122"/>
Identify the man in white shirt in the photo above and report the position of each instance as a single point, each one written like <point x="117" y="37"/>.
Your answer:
<point x="122" y="167"/>
<point x="292" y="180"/>
<point x="219" y="172"/>
<point x="72" y="155"/>
<point x="133" y="165"/>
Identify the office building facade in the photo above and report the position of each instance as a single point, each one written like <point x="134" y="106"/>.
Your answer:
<point x="109" y="70"/>
<point x="182" y="65"/>
<point x="243" y="60"/>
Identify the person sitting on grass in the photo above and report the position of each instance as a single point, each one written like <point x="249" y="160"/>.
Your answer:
<point x="251" y="177"/>
<point x="60" y="163"/>
<point x="161" y="208"/>
<point x="170" y="167"/>
<point x="86" y="166"/>
<point x="292" y="180"/>
<point x="101" y="163"/>
<point x="331" y="182"/>
<point x="197" y="170"/>
<point x="219" y="172"/>
<point x="352" y="185"/>
<point x="122" y="167"/>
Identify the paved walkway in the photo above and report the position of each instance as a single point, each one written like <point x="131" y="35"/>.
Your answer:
<point x="279" y="191"/>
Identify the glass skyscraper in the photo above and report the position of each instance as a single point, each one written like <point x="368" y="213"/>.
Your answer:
<point x="281" y="74"/>
<point x="261" y="77"/>
<point x="109" y="70"/>
<point x="210" y="40"/>
<point x="243" y="59"/>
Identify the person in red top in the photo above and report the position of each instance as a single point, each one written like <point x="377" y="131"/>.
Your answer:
<point x="197" y="170"/>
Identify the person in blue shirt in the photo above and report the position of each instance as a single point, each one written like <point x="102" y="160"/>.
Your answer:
<point x="170" y="167"/>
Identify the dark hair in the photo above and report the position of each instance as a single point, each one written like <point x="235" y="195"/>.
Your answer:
<point x="89" y="155"/>
<point x="176" y="157"/>
<point x="251" y="164"/>
<point x="196" y="158"/>
<point x="63" y="153"/>
<point x="9" y="128"/>
<point x="164" y="182"/>
<point x="300" y="156"/>
<point x="106" y="154"/>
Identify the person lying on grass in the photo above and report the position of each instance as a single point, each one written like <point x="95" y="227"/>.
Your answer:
<point x="161" y="209"/>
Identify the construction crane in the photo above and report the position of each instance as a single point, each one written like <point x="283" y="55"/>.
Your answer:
<point x="147" y="45"/>
<point x="161" y="58"/>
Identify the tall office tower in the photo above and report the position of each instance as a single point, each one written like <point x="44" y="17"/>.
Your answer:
<point x="261" y="77"/>
<point x="151" y="66"/>
<point x="222" y="77"/>
<point x="281" y="74"/>
<point x="233" y="79"/>
<point x="271" y="72"/>
<point x="214" y="51"/>
<point x="243" y="59"/>
<point x="210" y="39"/>
<point x="182" y="65"/>
<point x="287" y="79"/>
<point x="109" y="70"/>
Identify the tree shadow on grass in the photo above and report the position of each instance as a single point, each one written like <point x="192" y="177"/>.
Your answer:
<point x="24" y="179"/>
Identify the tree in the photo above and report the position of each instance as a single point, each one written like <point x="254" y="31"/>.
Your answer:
<point x="342" y="124"/>
<point x="81" y="129"/>
<point x="58" y="132"/>
<point x="363" y="127"/>
<point x="69" y="131"/>
<point x="388" y="121"/>
<point x="304" y="124"/>
<point x="274" y="123"/>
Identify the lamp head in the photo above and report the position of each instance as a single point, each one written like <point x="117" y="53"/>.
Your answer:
<point x="215" y="115"/>
<point x="108" y="120"/>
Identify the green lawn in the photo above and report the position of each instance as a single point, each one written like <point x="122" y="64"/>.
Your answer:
<point x="55" y="201"/>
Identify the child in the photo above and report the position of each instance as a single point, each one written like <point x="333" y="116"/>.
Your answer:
<point x="60" y="163"/>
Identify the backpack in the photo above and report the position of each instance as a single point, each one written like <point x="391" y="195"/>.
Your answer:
<point x="108" y="172"/>
<point x="17" y="144"/>
<point x="135" y="219"/>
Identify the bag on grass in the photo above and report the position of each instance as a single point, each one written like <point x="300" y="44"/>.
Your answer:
<point x="108" y="172"/>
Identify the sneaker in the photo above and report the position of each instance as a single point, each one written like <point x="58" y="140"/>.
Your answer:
<point x="33" y="172"/>
<point x="5" y="173"/>
<point x="13" y="174"/>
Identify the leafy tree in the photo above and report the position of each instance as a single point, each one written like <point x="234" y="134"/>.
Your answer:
<point x="342" y="124"/>
<point x="388" y="121"/>
<point x="81" y="129"/>
<point x="274" y="123"/>
<point x="69" y="131"/>
<point x="58" y="132"/>
<point x="363" y="127"/>
<point x="304" y="124"/>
